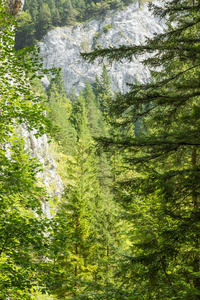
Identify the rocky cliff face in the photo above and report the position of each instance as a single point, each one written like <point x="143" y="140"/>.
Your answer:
<point x="49" y="177"/>
<point x="61" y="47"/>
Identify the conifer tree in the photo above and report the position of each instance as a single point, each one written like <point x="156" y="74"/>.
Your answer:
<point x="75" y="211"/>
<point x="164" y="171"/>
<point x="78" y="116"/>
<point x="93" y="112"/>
<point x="103" y="91"/>
<point x="44" y="21"/>
<point x="48" y="13"/>
<point x="32" y="7"/>
<point x="86" y="223"/>
<point x="59" y="112"/>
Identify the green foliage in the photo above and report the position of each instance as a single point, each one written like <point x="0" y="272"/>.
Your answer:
<point x="96" y="43"/>
<point x="160" y="188"/>
<point x="103" y="92"/>
<point x="42" y="15"/>
<point x="44" y="22"/>
<point x="78" y="117"/>
<point x="85" y="237"/>
<point x="25" y="30"/>
<point x="66" y="255"/>
<point x="93" y="113"/>
<point x="59" y="112"/>
<point x="23" y="226"/>
<point x="153" y="176"/>
<point x="107" y="27"/>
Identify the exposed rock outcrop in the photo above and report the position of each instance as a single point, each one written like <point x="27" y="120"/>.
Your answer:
<point x="39" y="147"/>
<point x="61" y="47"/>
<point x="49" y="178"/>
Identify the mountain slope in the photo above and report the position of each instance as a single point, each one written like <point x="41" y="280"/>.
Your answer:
<point x="61" y="47"/>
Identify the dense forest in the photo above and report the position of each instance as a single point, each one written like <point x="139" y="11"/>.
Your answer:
<point x="40" y="16"/>
<point x="127" y="224"/>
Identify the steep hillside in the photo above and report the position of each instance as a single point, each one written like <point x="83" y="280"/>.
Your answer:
<point x="61" y="47"/>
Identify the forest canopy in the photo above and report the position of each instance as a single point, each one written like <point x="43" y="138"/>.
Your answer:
<point x="40" y="16"/>
<point x="161" y="193"/>
<point x="127" y="225"/>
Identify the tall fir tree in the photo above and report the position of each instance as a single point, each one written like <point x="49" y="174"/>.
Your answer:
<point x="163" y="158"/>
<point x="59" y="112"/>
<point x="93" y="113"/>
<point x="86" y="223"/>
<point x="75" y="211"/>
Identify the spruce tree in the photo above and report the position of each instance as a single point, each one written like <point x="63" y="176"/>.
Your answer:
<point x="103" y="91"/>
<point x="163" y="158"/>
<point x="44" y="21"/>
<point x="59" y="112"/>
<point x="93" y="112"/>
<point x="74" y="214"/>
<point x="86" y="223"/>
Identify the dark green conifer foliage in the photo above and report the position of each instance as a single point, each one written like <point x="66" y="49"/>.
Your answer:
<point x="86" y="224"/>
<point x="161" y="193"/>
<point x="93" y="112"/>
<point x="59" y="82"/>
<point x="103" y="91"/>
<point x="72" y="95"/>
<point x="76" y="210"/>
<point x="25" y="31"/>
<point x="32" y="7"/>
<point x="59" y="113"/>
<point x="65" y="248"/>
<point x="74" y="221"/>
<point x="78" y="116"/>
<point x="48" y="13"/>
<point x="44" y="22"/>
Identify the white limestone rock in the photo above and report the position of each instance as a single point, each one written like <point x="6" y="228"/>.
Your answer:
<point x="39" y="148"/>
<point x="61" y="47"/>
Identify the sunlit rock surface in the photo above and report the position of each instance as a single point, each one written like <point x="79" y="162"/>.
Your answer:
<point x="48" y="177"/>
<point x="61" y="47"/>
